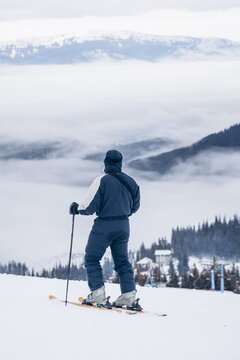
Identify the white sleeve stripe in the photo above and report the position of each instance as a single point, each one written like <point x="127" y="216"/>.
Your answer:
<point x="91" y="193"/>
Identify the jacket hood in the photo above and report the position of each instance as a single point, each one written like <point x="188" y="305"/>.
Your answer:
<point x="113" y="161"/>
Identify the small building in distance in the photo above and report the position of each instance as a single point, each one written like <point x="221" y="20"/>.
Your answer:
<point x="163" y="257"/>
<point x="145" y="264"/>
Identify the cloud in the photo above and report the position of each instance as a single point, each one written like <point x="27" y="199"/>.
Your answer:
<point x="103" y="104"/>
<point x="96" y="103"/>
<point x="210" y="165"/>
<point x="35" y="223"/>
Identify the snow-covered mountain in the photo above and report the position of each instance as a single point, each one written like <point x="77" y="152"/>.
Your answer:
<point x="67" y="49"/>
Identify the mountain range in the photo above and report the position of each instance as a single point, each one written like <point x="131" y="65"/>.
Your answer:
<point x="136" y="149"/>
<point x="160" y="155"/>
<point x="66" y="49"/>
<point x="44" y="150"/>
<point x="228" y="139"/>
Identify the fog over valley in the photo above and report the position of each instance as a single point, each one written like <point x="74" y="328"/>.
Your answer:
<point x="56" y="122"/>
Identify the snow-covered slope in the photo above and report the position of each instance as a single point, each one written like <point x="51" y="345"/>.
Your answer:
<point x="200" y="324"/>
<point x="68" y="49"/>
<point x="49" y="263"/>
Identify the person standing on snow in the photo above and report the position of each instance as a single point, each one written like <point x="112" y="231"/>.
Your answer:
<point x="114" y="197"/>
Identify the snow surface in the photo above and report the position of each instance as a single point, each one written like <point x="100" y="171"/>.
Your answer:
<point x="200" y="324"/>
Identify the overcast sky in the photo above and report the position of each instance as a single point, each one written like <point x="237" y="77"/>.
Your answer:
<point x="27" y="18"/>
<point x="22" y="9"/>
<point x="104" y="103"/>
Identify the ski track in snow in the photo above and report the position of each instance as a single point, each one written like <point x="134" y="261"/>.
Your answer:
<point x="200" y="324"/>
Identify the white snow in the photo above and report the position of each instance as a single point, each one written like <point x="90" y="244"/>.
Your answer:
<point x="200" y="324"/>
<point x="206" y="44"/>
<point x="63" y="39"/>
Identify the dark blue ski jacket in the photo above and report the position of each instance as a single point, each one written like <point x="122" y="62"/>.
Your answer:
<point x="108" y="197"/>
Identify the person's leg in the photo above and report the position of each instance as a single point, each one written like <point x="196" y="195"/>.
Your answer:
<point x="95" y="249"/>
<point x="119" y="248"/>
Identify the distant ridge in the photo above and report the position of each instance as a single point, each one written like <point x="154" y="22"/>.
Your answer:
<point x="163" y="163"/>
<point x="70" y="49"/>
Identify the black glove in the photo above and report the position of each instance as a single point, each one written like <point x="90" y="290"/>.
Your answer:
<point x="73" y="210"/>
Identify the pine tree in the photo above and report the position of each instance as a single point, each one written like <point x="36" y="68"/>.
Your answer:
<point x="140" y="279"/>
<point x="156" y="275"/>
<point x="174" y="280"/>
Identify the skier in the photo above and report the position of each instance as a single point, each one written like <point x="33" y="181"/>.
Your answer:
<point x="114" y="197"/>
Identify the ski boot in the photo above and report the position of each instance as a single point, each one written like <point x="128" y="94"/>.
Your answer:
<point x="128" y="300"/>
<point x="97" y="297"/>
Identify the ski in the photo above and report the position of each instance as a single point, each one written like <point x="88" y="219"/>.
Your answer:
<point x="128" y="311"/>
<point x="118" y="310"/>
<point x="98" y="307"/>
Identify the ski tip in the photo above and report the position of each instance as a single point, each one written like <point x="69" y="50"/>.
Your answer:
<point x="80" y="299"/>
<point x="51" y="297"/>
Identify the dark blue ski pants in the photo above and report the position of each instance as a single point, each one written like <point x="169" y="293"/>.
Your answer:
<point x="105" y="233"/>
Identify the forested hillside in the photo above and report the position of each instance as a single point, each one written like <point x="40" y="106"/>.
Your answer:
<point x="228" y="139"/>
<point x="221" y="238"/>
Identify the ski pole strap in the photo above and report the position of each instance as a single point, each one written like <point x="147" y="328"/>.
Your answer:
<point x="121" y="180"/>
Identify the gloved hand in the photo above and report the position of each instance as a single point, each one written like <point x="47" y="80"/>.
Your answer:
<point x="73" y="210"/>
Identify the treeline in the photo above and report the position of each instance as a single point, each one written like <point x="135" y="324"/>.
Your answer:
<point x="77" y="272"/>
<point x="193" y="279"/>
<point x="59" y="271"/>
<point x="220" y="238"/>
<point x="227" y="138"/>
<point x="16" y="268"/>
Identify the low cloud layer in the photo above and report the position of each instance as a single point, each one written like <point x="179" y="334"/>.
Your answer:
<point x="96" y="103"/>
<point x="35" y="223"/>
<point x="101" y="105"/>
<point x="210" y="165"/>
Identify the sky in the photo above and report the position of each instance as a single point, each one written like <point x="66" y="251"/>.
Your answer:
<point x="22" y="9"/>
<point x="25" y="19"/>
<point x="108" y="103"/>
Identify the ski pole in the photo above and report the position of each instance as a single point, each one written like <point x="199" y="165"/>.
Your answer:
<point x="69" y="262"/>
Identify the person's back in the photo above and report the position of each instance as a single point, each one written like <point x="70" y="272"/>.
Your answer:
<point x="113" y="197"/>
<point x="109" y="197"/>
